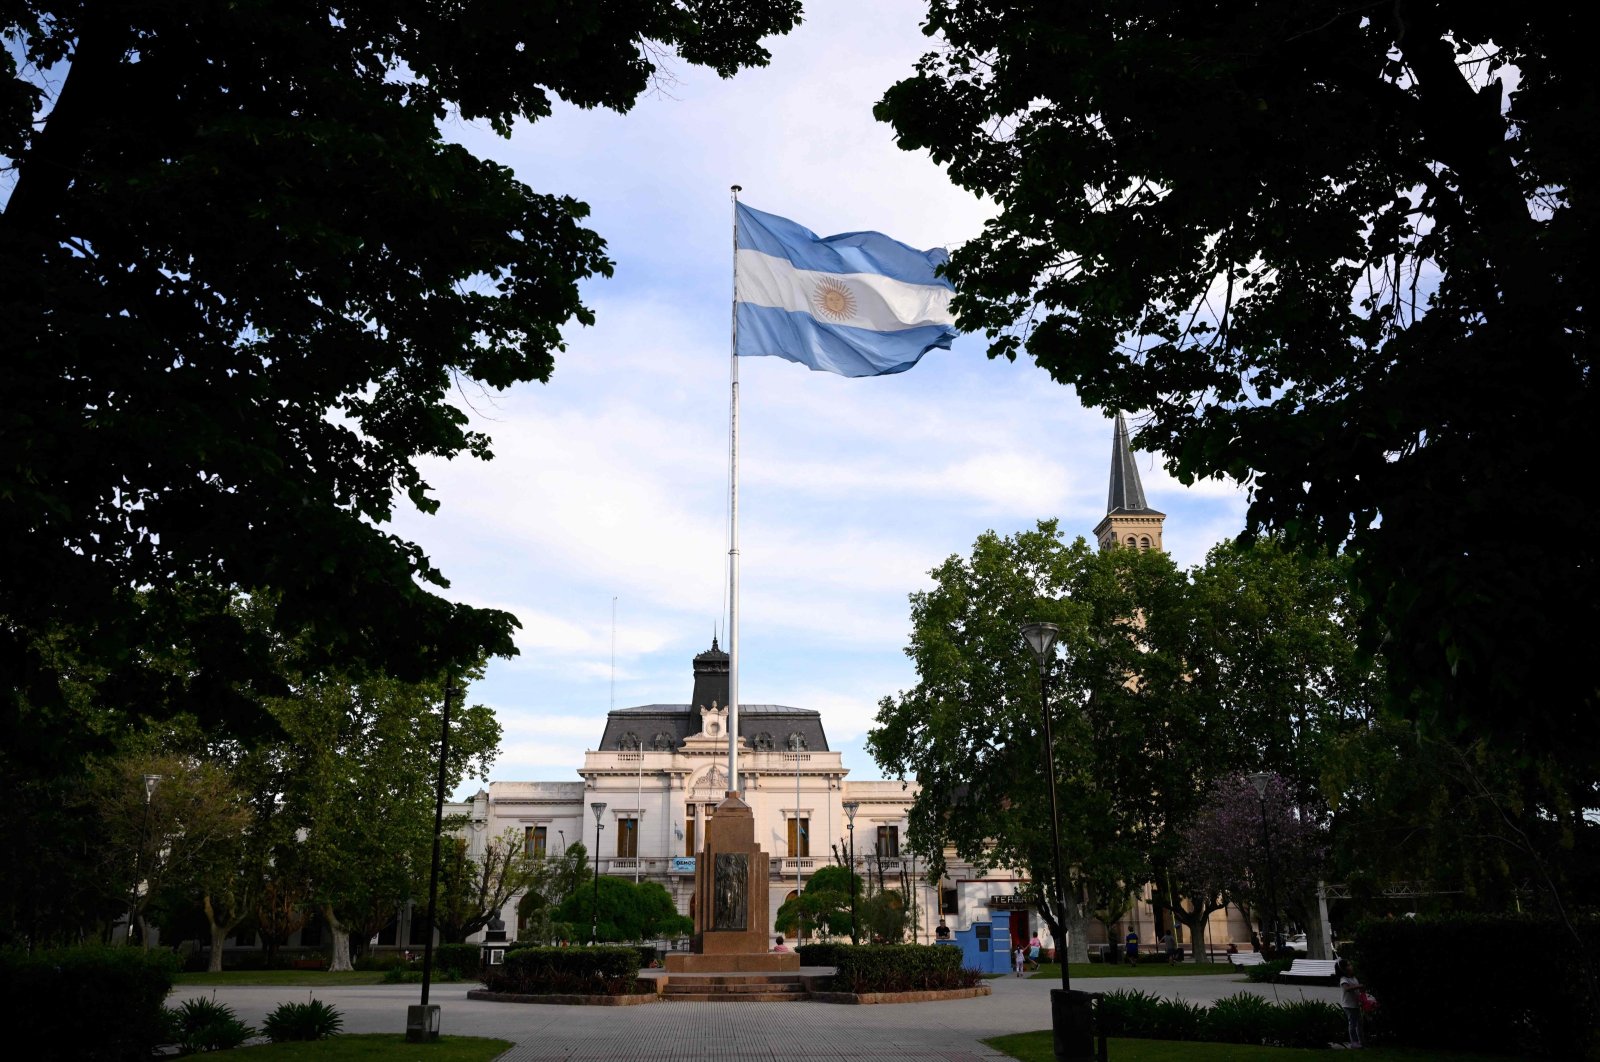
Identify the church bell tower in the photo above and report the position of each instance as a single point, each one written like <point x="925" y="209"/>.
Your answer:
<point x="1129" y="521"/>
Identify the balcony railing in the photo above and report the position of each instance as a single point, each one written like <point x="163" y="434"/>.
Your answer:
<point x="790" y="864"/>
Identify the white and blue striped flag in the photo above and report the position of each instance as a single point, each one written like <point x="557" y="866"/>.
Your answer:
<point x="856" y="304"/>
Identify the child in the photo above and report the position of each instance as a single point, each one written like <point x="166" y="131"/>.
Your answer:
<point x="1350" y="1000"/>
<point x="1019" y="958"/>
<point x="1033" y="950"/>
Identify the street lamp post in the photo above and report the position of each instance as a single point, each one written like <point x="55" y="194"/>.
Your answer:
<point x="599" y="808"/>
<point x="1070" y="1021"/>
<point x="802" y="844"/>
<point x="850" y="807"/>
<point x="914" y="894"/>
<point x="1261" y="781"/>
<point x="423" y="1019"/>
<point x="150" y="783"/>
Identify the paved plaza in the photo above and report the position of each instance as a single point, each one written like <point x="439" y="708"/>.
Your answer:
<point x="791" y="1032"/>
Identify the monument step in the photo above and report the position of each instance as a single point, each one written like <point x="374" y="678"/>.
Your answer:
<point x="714" y="997"/>
<point x="733" y="979"/>
<point x="673" y="987"/>
<point x="762" y="995"/>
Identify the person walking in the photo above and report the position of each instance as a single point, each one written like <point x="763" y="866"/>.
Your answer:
<point x="1169" y="944"/>
<point x="1035" y="949"/>
<point x="1131" y="942"/>
<point x="1019" y="959"/>
<point x="1350" y="992"/>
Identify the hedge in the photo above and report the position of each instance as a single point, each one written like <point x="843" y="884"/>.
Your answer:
<point x="464" y="959"/>
<point x="1239" y="1019"/>
<point x="91" y="1002"/>
<point x="609" y="970"/>
<point x="867" y="968"/>
<point x="1507" y="985"/>
<point x="823" y="954"/>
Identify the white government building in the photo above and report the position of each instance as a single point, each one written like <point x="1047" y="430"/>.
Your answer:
<point x="661" y="770"/>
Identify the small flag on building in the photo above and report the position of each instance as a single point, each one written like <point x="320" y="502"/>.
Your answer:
<point x="856" y="304"/>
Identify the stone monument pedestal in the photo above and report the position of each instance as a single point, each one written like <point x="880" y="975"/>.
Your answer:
<point x="731" y="901"/>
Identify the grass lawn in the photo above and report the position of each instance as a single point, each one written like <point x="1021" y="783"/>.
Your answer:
<point x="1035" y="1047"/>
<point x="383" y="1047"/>
<point x="298" y="978"/>
<point x="1160" y="969"/>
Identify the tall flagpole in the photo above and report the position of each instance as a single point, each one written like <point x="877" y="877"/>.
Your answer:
<point x="733" y="518"/>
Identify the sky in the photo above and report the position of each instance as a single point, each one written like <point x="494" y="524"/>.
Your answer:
<point x="608" y="492"/>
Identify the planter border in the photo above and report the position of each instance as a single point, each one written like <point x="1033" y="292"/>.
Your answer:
<point x="925" y="996"/>
<point x="565" y="1000"/>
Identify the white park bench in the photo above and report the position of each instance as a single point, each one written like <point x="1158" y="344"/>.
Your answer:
<point x="1246" y="958"/>
<point x="1322" y="970"/>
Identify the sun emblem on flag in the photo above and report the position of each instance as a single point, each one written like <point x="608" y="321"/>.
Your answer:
<point x="834" y="300"/>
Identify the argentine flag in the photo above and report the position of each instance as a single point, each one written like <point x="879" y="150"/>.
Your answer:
<point x="856" y="304"/>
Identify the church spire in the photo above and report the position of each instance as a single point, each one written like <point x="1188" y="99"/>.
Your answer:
<point x="1129" y="520"/>
<point x="1127" y="493"/>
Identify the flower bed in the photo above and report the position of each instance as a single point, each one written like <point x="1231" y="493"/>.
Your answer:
<point x="570" y="972"/>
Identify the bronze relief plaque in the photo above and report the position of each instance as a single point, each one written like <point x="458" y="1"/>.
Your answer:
<point x="730" y="891"/>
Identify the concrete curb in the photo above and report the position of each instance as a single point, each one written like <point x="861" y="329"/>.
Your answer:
<point x="570" y="1001"/>
<point x="931" y="996"/>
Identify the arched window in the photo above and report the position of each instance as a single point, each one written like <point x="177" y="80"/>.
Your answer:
<point x="1144" y="542"/>
<point x="1132" y="542"/>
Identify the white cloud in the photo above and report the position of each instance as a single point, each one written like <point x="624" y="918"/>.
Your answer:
<point x="611" y="481"/>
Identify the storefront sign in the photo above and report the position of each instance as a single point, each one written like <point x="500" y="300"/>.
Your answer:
<point x="1009" y="903"/>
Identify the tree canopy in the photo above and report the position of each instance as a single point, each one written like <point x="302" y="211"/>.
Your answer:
<point x="627" y="911"/>
<point x="357" y="786"/>
<point x="970" y="731"/>
<point x="1165" y="680"/>
<point x="1343" y="253"/>
<point x="242" y="273"/>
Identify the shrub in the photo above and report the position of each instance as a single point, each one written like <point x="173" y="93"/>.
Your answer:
<point x="381" y="960"/>
<point x="310" y="1020"/>
<point x="899" y="968"/>
<point x="1241" y="1019"/>
<point x="201" y="1025"/>
<point x="1266" y="972"/>
<point x="1427" y="975"/>
<point x="825" y="953"/>
<point x="604" y="971"/>
<point x="1127" y="1012"/>
<point x="1308" y="1023"/>
<point x="122" y="989"/>
<point x="464" y="959"/>
<point x="648" y="956"/>
<point x="1178" y="1020"/>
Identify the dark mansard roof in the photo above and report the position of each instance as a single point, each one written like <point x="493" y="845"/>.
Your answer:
<point x="661" y="727"/>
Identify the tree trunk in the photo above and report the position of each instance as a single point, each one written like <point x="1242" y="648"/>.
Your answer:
<point x="219" y="932"/>
<point x="218" y="935"/>
<point x="1195" y="923"/>
<point x="1077" y="933"/>
<point x="340" y="933"/>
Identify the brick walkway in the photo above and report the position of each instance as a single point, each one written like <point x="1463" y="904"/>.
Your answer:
<point x="730" y="1032"/>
